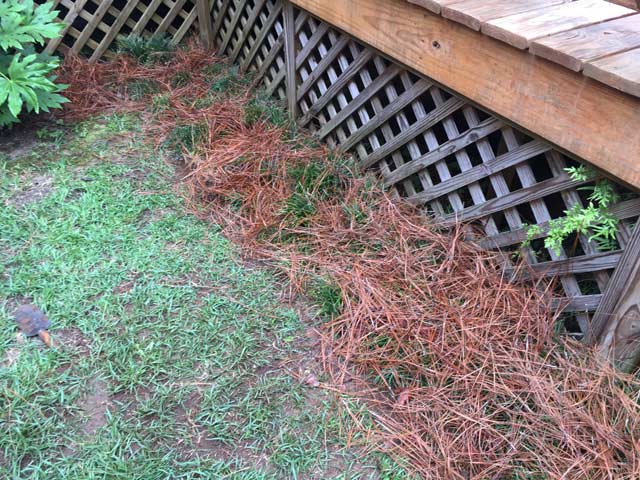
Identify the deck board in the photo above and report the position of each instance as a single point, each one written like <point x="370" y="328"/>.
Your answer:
<point x="520" y="29"/>
<point x="561" y="106"/>
<point x="621" y="71"/>
<point x="434" y="6"/>
<point x="473" y="13"/>
<point x="574" y="48"/>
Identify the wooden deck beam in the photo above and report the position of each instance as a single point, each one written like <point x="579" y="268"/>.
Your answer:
<point x="579" y="115"/>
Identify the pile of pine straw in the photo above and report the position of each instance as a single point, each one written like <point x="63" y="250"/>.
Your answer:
<point x="460" y="369"/>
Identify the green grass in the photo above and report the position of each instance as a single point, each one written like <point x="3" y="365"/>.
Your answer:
<point x="171" y="358"/>
<point x="148" y="50"/>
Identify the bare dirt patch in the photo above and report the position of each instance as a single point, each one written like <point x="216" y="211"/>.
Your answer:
<point x="39" y="188"/>
<point x="71" y="339"/>
<point x="10" y="357"/>
<point x="22" y="139"/>
<point x="94" y="405"/>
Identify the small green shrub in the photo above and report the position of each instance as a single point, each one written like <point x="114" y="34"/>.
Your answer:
<point x="26" y="80"/>
<point x="147" y="50"/>
<point x="593" y="220"/>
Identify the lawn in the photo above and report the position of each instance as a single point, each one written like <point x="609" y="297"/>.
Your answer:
<point x="172" y="357"/>
<point x="230" y="299"/>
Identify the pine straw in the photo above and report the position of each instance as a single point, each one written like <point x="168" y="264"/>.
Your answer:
<point x="459" y="368"/>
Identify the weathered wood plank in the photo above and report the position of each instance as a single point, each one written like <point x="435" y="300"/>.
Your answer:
<point x="363" y="96"/>
<point x="266" y="28"/>
<point x="146" y="16"/>
<point x="204" y="23"/>
<point x="92" y="24"/>
<point x="621" y="71"/>
<point x="528" y="194"/>
<point x="352" y="70"/>
<point x="635" y="4"/>
<point x="432" y="117"/>
<point x="72" y="14"/>
<point x="513" y="157"/>
<point x="218" y="21"/>
<point x="290" y="58"/>
<point x="520" y="29"/>
<point x="433" y="5"/>
<point x="231" y="28"/>
<point x="553" y="102"/>
<point x="307" y="47"/>
<point x="621" y="211"/>
<point x="275" y="50"/>
<point x="319" y="69"/>
<point x="579" y="303"/>
<point x="185" y="27"/>
<point x="170" y="16"/>
<point x="257" y="7"/>
<point x="270" y="57"/>
<point x="452" y="146"/>
<point x="616" y="324"/>
<point x="574" y="48"/>
<point x="473" y="13"/>
<point x="411" y="95"/>
<point x="581" y="264"/>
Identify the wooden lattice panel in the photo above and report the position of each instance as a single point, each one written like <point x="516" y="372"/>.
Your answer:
<point x="431" y="147"/>
<point x="92" y="26"/>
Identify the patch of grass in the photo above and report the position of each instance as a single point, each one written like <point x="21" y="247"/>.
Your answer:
<point x="313" y="183"/>
<point x="226" y="80"/>
<point x="139" y="89"/>
<point x="119" y="123"/>
<point x="170" y="357"/>
<point x="55" y="135"/>
<point x="155" y="48"/>
<point x="181" y="79"/>
<point x="187" y="137"/>
<point x="160" y="103"/>
<point x="328" y="298"/>
<point x="264" y="108"/>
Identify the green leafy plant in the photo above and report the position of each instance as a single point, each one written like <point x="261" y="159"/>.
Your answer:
<point x="594" y="219"/>
<point x="26" y="80"/>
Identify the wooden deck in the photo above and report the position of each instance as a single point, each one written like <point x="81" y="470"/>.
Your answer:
<point x="445" y="113"/>
<point x="581" y="116"/>
<point x="574" y="34"/>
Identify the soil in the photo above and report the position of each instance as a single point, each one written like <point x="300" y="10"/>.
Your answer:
<point x="20" y="140"/>
<point x="40" y="187"/>
<point x="94" y="405"/>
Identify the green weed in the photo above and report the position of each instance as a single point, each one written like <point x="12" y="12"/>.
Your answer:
<point x="267" y="109"/>
<point x="139" y="89"/>
<point x="327" y="296"/>
<point x="147" y="50"/>
<point x="187" y="137"/>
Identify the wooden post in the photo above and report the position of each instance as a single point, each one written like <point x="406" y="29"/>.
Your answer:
<point x="204" y="22"/>
<point x="290" y="58"/>
<point x="616" y="323"/>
